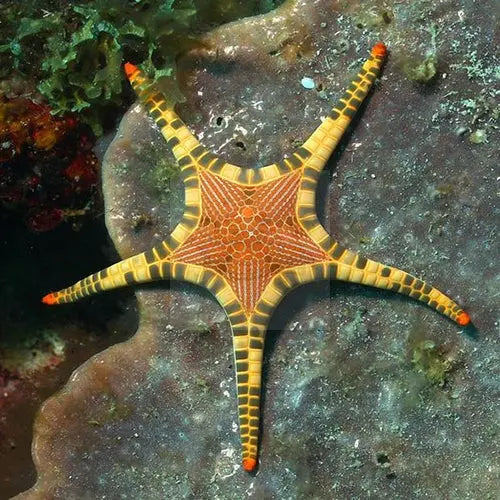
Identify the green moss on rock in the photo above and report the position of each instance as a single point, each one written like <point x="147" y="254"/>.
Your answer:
<point x="166" y="171"/>
<point x="432" y="361"/>
<point x="75" y="53"/>
<point x="478" y="137"/>
<point x="421" y="70"/>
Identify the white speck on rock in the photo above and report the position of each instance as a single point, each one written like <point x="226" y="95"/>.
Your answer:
<point x="241" y="129"/>
<point x="307" y="83"/>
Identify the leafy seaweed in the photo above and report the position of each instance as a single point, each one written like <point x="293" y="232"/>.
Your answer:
<point x="75" y="51"/>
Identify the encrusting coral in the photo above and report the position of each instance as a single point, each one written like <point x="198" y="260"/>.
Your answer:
<point x="48" y="171"/>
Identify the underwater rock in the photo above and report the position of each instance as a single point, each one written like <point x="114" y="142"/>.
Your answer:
<point x="351" y="408"/>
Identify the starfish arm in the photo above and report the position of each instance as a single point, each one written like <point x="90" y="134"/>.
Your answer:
<point x="352" y="267"/>
<point x="148" y="266"/>
<point x="189" y="152"/>
<point x="314" y="153"/>
<point x="180" y="139"/>
<point x="248" y="345"/>
<point x="248" y="342"/>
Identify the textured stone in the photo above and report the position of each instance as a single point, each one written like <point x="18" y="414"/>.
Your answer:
<point x="351" y="406"/>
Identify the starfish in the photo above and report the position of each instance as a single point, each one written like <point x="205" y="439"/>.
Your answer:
<point x="251" y="235"/>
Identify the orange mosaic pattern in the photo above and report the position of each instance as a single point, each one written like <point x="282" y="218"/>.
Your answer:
<point x="249" y="234"/>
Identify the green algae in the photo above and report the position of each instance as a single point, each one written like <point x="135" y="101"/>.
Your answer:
<point x="114" y="411"/>
<point x="202" y="383"/>
<point x="79" y="69"/>
<point x="85" y="45"/>
<point x="477" y="68"/>
<point x="421" y="70"/>
<point x="374" y="18"/>
<point x="165" y="172"/>
<point x="431" y="360"/>
<point x="479" y="136"/>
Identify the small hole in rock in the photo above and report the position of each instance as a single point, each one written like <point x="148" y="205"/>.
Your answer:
<point x="387" y="17"/>
<point x="241" y="145"/>
<point x="383" y="459"/>
<point x="391" y="475"/>
<point x="319" y="87"/>
<point x="219" y="121"/>
<point x="360" y="26"/>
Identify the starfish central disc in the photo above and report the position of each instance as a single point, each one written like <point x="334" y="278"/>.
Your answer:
<point x="247" y="212"/>
<point x="248" y="234"/>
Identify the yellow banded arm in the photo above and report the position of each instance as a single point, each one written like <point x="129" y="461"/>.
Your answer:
<point x="148" y="266"/>
<point x="314" y="153"/>
<point x="248" y="331"/>
<point x="185" y="146"/>
<point x="248" y="344"/>
<point x="352" y="267"/>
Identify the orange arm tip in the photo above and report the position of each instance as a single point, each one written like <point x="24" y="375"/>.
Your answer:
<point x="49" y="299"/>
<point x="130" y="69"/>
<point x="379" y="50"/>
<point x="463" y="319"/>
<point x="249" y="464"/>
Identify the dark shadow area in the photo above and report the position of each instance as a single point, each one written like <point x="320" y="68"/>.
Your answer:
<point x="40" y="346"/>
<point x="471" y="332"/>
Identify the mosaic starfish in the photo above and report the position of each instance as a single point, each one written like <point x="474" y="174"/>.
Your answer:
<point x="251" y="235"/>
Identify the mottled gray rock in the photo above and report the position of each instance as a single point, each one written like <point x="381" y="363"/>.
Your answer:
<point x="366" y="394"/>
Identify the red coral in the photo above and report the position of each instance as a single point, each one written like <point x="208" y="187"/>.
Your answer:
<point x="6" y="377"/>
<point x="48" y="171"/>
<point x="82" y="171"/>
<point x="44" y="219"/>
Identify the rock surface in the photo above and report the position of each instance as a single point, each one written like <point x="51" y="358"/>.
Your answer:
<point x="366" y="394"/>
